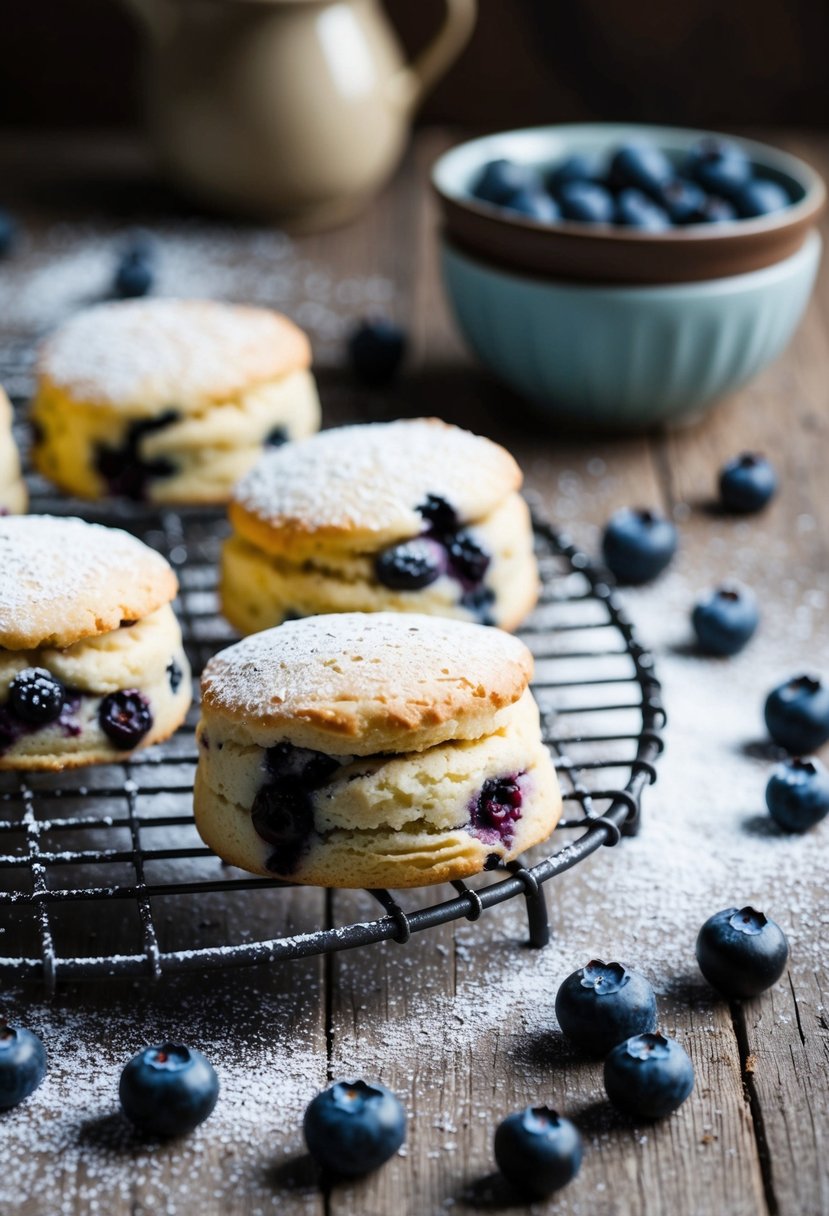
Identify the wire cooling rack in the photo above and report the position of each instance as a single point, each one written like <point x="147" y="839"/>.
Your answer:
<point x="100" y="856"/>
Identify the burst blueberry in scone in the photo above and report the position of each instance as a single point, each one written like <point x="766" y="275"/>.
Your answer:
<point x="168" y="401"/>
<point x="409" y="516"/>
<point x="91" y="660"/>
<point x="369" y="750"/>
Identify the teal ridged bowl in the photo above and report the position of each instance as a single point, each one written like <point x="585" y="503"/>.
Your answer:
<point x="627" y="358"/>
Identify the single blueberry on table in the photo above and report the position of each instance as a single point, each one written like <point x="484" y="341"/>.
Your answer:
<point x="36" y="696"/>
<point x="638" y="544"/>
<point x="501" y="179"/>
<point x="636" y="210"/>
<point x="410" y="565"/>
<point x="575" y="168"/>
<point x="725" y="619"/>
<point x="168" y="1090"/>
<point x="747" y="483"/>
<point x="22" y="1064"/>
<point x="741" y="952"/>
<point x="718" y="165"/>
<point x="759" y="197"/>
<point x="602" y="1004"/>
<point x="641" y="166"/>
<point x="125" y="718"/>
<point x="648" y="1076"/>
<point x="797" y="714"/>
<point x="354" y="1127"/>
<point x="586" y="202"/>
<point x="8" y="232"/>
<point x="535" y="204"/>
<point x="797" y="794"/>
<point x="683" y="200"/>
<point x="376" y="349"/>
<point x="538" y="1151"/>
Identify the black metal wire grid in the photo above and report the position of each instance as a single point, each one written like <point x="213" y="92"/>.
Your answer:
<point x="86" y="839"/>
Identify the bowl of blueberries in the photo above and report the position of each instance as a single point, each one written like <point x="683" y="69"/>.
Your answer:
<point x="625" y="276"/>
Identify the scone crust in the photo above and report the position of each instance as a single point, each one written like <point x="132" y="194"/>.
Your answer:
<point x="140" y="356"/>
<point x="64" y="579"/>
<point x="367" y="682"/>
<point x="360" y="486"/>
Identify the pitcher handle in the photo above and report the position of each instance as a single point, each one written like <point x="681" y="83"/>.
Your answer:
<point x="414" y="81"/>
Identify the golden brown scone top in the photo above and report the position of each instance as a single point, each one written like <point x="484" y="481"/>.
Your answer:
<point x="360" y="683"/>
<point x="141" y="356"/>
<point x="62" y="579"/>
<point x="356" y="486"/>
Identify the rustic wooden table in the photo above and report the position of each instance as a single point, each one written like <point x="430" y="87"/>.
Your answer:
<point x="460" y="1021"/>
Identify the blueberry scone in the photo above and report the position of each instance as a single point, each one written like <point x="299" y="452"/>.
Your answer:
<point x="410" y="516"/>
<point x="168" y="400"/>
<point x="13" y="496"/>
<point x="91" y="660"/>
<point x="368" y="750"/>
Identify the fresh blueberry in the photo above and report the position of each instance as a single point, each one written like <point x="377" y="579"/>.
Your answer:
<point x="353" y="1127"/>
<point x="602" y="1004"/>
<point x="501" y="179"/>
<point x="759" y="197"/>
<point x="8" y="232"/>
<point x="22" y="1064"/>
<point x="718" y="165"/>
<point x="376" y="349"/>
<point x="125" y="718"/>
<point x="468" y="560"/>
<point x="648" y="1076"/>
<point x="575" y="168"/>
<point x="683" y="200"/>
<point x="133" y="278"/>
<point x="797" y="714"/>
<point x="411" y="565"/>
<point x="716" y="211"/>
<point x="725" y="619"/>
<point x="638" y="545"/>
<point x="635" y="210"/>
<point x="747" y="483"/>
<point x="797" y="794"/>
<point x="535" y="204"/>
<point x="741" y="952"/>
<point x="496" y="810"/>
<point x="36" y="696"/>
<point x="641" y="166"/>
<point x="168" y="1090"/>
<point x="276" y="436"/>
<point x="538" y="1151"/>
<point x="586" y="202"/>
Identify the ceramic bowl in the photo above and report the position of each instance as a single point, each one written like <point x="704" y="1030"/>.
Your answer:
<point x="627" y="358"/>
<point x="605" y="254"/>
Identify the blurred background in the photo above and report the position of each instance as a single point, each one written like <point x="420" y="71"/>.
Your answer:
<point x="77" y="63"/>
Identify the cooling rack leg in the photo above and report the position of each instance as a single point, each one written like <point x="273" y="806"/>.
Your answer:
<point x="632" y="824"/>
<point x="537" y="918"/>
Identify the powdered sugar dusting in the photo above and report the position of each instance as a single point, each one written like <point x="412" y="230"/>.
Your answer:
<point x="156" y="352"/>
<point x="371" y="478"/>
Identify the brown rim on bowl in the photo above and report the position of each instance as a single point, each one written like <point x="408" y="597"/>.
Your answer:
<point x="606" y="254"/>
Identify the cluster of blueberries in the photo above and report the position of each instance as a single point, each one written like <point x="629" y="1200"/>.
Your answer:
<point x="639" y="544"/>
<point x="353" y="1127"/>
<point x="639" y="187"/>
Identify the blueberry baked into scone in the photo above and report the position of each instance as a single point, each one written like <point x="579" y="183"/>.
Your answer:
<point x="13" y="496"/>
<point x="409" y="516"/>
<point x="168" y="401"/>
<point x="91" y="660"/>
<point x="372" y="749"/>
